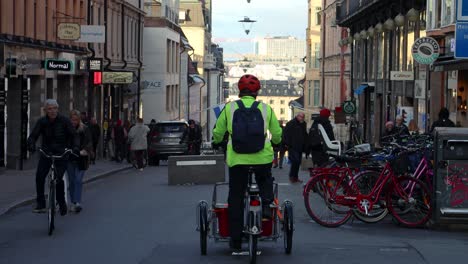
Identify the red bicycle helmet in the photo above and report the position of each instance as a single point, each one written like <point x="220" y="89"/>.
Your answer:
<point x="249" y="82"/>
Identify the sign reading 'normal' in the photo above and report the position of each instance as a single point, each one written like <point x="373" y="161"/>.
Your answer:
<point x="58" y="65"/>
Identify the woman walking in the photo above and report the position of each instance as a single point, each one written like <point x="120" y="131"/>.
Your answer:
<point x="78" y="165"/>
<point x="138" y="137"/>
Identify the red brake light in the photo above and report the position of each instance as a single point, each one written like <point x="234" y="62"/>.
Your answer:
<point x="254" y="203"/>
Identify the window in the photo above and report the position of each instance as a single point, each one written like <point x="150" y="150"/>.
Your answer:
<point x="282" y="102"/>
<point x="316" y="93"/>
<point x="168" y="98"/>
<point x="448" y="12"/>
<point x="272" y="101"/>
<point x="318" y="11"/>
<point x="282" y="112"/>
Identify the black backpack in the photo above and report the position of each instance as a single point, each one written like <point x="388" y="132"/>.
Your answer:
<point x="315" y="137"/>
<point x="248" y="132"/>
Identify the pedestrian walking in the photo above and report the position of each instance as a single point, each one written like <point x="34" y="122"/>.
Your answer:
<point x="295" y="139"/>
<point x="119" y="136"/>
<point x="443" y="120"/>
<point x="279" y="151"/>
<point x="138" y="139"/>
<point x="315" y="142"/>
<point x="77" y="166"/>
<point x="95" y="134"/>
<point x="57" y="135"/>
<point x="400" y="127"/>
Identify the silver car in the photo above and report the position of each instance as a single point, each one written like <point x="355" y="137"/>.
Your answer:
<point x="165" y="140"/>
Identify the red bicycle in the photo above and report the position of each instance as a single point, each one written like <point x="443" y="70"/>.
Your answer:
<point x="332" y="197"/>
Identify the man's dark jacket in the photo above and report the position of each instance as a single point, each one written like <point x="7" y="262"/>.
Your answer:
<point x="295" y="135"/>
<point x="57" y="135"/>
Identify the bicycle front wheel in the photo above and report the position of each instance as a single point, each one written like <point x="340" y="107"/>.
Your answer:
<point x="51" y="210"/>
<point x="409" y="201"/>
<point x="319" y="200"/>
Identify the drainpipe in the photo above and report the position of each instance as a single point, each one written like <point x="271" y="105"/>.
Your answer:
<point x="139" y="61"/>
<point x="90" y="76"/>
<point x="201" y="100"/>
<point x="351" y="79"/>
<point x="105" y="27"/>
<point x="123" y="37"/>
<point x="324" y="44"/>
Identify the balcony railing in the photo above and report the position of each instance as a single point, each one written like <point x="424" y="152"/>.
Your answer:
<point x="348" y="8"/>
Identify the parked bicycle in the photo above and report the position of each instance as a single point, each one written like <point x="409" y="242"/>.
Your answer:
<point x="407" y="198"/>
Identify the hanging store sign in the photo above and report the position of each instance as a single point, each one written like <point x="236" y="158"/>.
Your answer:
<point x="401" y="76"/>
<point x="461" y="40"/>
<point x="462" y="10"/>
<point x="68" y="31"/>
<point x="92" y="34"/>
<point x="349" y="107"/>
<point x="58" y="65"/>
<point x="425" y="50"/>
<point x="117" y="77"/>
<point x="95" y="64"/>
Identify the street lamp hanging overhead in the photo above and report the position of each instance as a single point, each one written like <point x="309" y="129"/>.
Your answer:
<point x="247" y="24"/>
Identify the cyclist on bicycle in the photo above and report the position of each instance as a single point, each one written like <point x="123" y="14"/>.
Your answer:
<point x="248" y="147"/>
<point x="138" y="137"/>
<point x="194" y="135"/>
<point x="57" y="134"/>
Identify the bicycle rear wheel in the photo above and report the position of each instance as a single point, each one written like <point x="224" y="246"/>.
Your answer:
<point x="252" y="249"/>
<point x="319" y="202"/>
<point x="409" y="201"/>
<point x="51" y="210"/>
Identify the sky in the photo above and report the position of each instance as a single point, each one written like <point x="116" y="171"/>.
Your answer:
<point x="274" y="18"/>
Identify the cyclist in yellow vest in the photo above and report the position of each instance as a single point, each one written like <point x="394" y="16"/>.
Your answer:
<point x="249" y="146"/>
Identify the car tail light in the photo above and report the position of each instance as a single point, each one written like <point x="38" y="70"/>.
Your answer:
<point x="254" y="203"/>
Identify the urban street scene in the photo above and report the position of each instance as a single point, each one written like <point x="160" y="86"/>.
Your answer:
<point x="233" y="131"/>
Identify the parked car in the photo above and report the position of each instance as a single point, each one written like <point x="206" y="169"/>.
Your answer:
<point x="164" y="139"/>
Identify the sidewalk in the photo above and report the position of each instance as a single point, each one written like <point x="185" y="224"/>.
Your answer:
<point x="18" y="188"/>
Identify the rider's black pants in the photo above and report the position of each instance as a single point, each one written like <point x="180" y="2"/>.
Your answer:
<point x="238" y="179"/>
<point x="41" y="174"/>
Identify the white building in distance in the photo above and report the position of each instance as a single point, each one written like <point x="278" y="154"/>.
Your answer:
<point x="282" y="46"/>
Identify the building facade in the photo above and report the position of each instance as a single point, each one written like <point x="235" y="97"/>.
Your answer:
<point x="42" y="55"/>
<point x="161" y="91"/>
<point x="312" y="89"/>
<point x="448" y="76"/>
<point x="381" y="34"/>
<point x="280" y="46"/>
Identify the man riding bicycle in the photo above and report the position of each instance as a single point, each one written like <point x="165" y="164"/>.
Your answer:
<point x="57" y="134"/>
<point x="247" y="122"/>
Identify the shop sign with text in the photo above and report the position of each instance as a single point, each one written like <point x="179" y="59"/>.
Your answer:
<point x="117" y="77"/>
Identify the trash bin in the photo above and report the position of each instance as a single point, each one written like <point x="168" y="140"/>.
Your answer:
<point x="450" y="194"/>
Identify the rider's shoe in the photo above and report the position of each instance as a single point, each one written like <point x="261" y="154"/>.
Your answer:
<point x="235" y="244"/>
<point x="40" y="208"/>
<point x="266" y="212"/>
<point x="78" y="208"/>
<point x="63" y="209"/>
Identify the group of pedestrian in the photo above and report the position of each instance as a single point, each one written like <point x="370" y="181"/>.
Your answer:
<point x="399" y="129"/>
<point x="297" y="141"/>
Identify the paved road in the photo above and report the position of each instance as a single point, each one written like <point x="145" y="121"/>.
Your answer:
<point x="134" y="217"/>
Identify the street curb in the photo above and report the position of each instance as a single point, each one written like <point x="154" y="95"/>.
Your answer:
<point x="28" y="201"/>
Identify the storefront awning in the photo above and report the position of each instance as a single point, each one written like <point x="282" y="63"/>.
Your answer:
<point x="195" y="79"/>
<point x="361" y="89"/>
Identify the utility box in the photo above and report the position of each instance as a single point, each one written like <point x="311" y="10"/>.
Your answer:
<point x="203" y="169"/>
<point x="450" y="194"/>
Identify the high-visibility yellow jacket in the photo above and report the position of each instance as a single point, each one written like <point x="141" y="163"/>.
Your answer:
<point x="224" y="124"/>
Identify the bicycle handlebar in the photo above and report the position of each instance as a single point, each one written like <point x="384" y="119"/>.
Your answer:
<point x="66" y="152"/>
